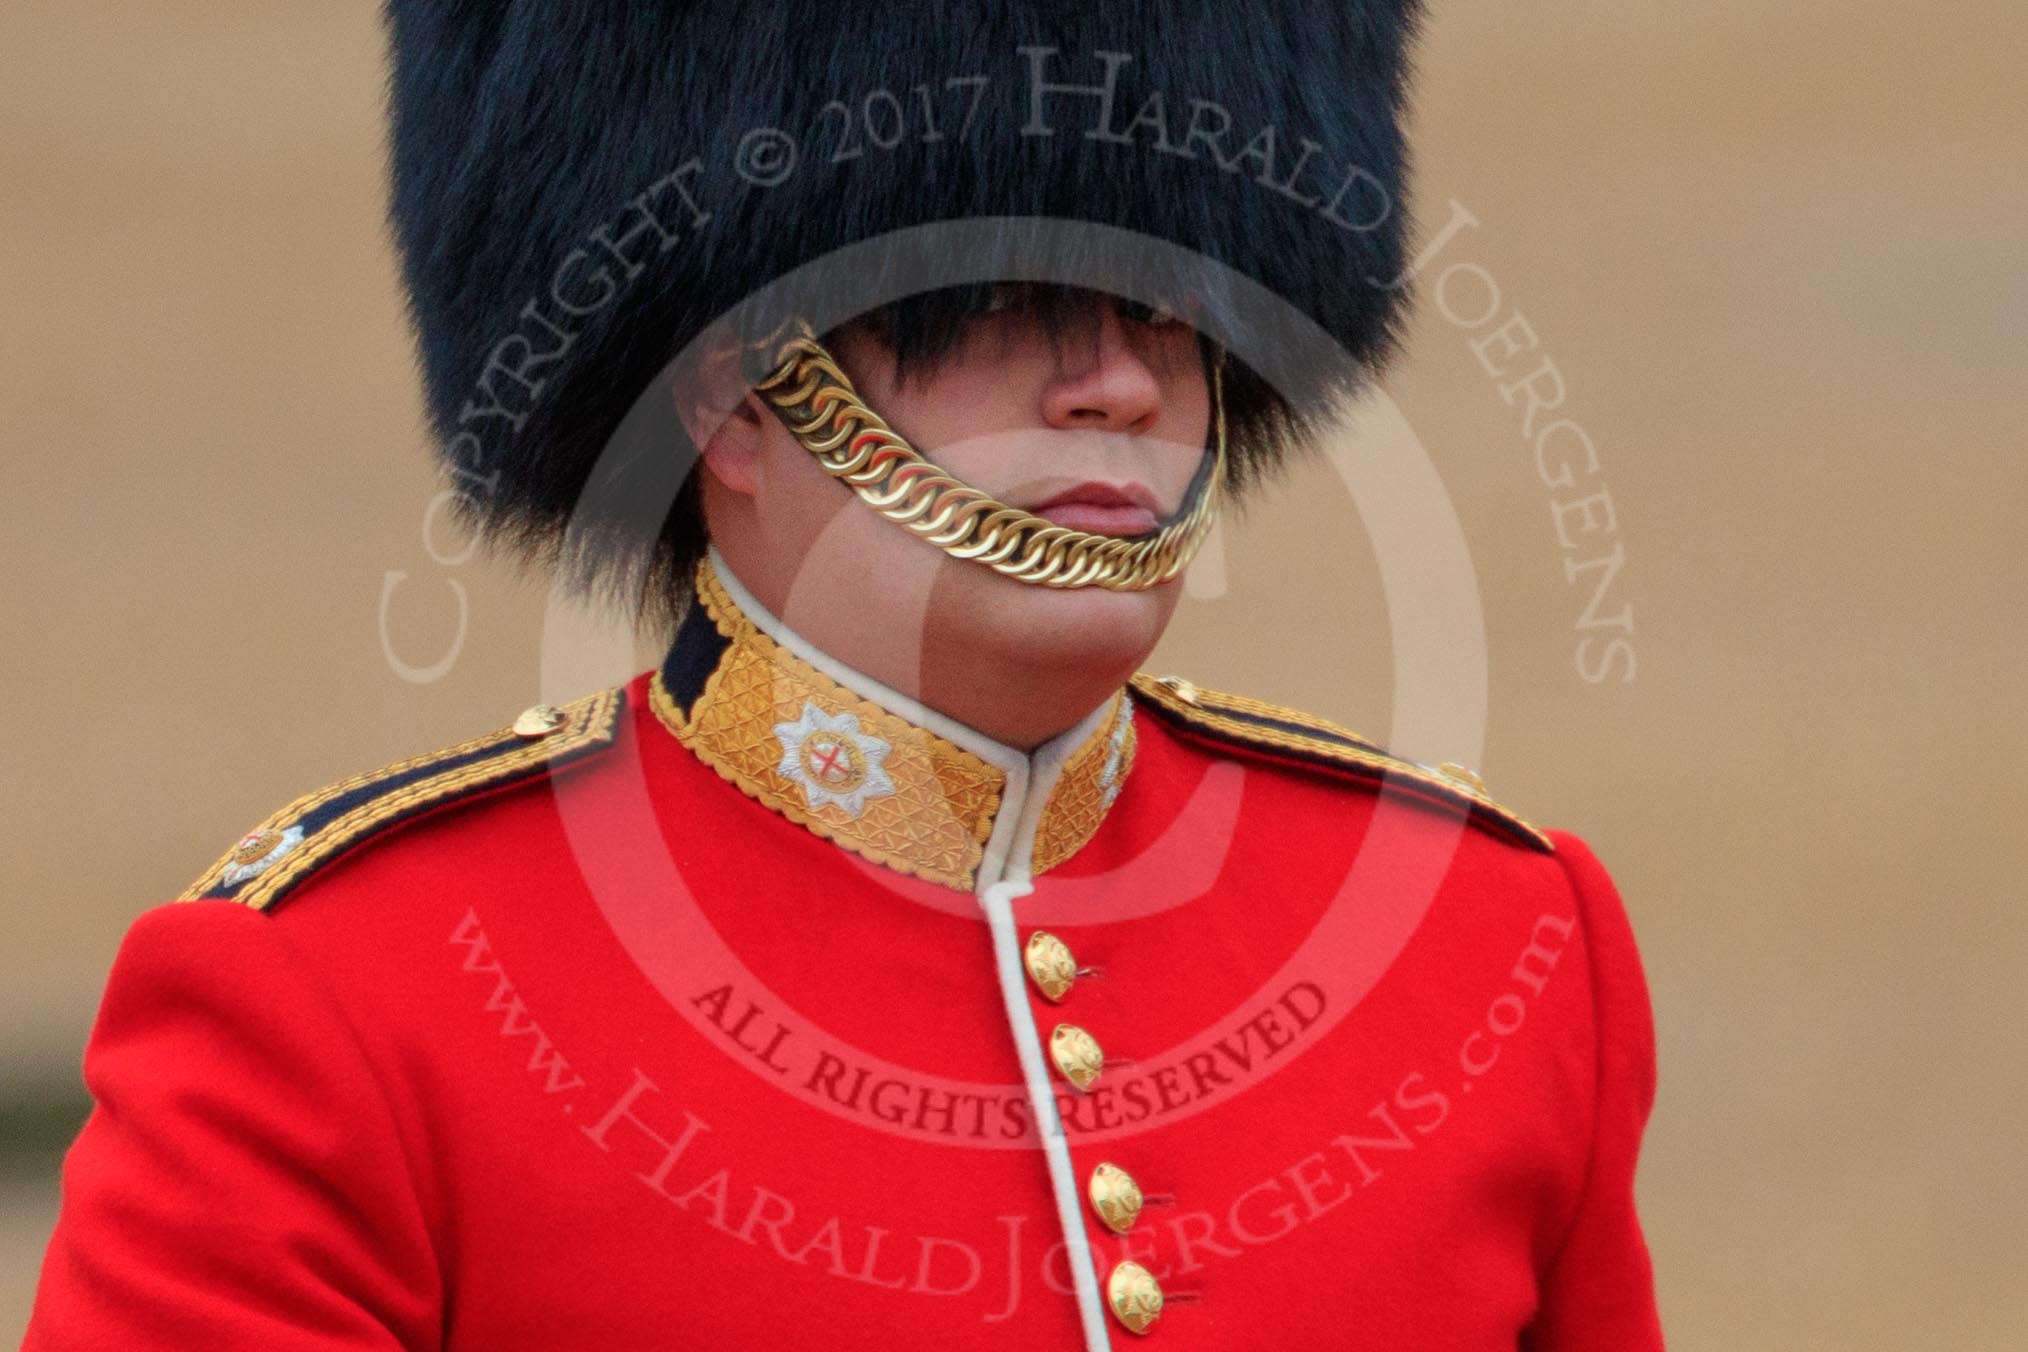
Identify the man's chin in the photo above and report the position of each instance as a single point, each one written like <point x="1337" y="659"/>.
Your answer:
<point x="1083" y="627"/>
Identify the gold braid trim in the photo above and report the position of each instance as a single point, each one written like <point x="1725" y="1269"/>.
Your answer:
<point x="1227" y="702"/>
<point x="934" y="825"/>
<point x="1218" y="716"/>
<point x="588" y="722"/>
<point x="1085" y="790"/>
<point x="818" y="402"/>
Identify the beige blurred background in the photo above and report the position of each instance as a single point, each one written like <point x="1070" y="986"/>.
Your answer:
<point x="1778" y="254"/>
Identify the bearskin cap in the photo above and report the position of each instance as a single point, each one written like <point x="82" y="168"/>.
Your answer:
<point x="579" y="192"/>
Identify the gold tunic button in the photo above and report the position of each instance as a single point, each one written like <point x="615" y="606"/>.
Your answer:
<point x="1135" y="1295"/>
<point x="1076" y="1054"/>
<point x="539" y="721"/>
<point x="1050" y="965"/>
<point x="1116" y="1197"/>
<point x="1181" y="688"/>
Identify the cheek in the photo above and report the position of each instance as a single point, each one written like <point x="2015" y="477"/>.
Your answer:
<point x="1078" y="620"/>
<point x="1186" y="419"/>
<point x="973" y="424"/>
<point x="794" y="495"/>
<point x="1190" y="400"/>
<point x="1186" y="445"/>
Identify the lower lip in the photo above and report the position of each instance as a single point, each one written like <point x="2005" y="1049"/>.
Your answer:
<point x="1089" y="516"/>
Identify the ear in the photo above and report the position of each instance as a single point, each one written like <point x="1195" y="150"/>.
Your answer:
<point x="724" y="419"/>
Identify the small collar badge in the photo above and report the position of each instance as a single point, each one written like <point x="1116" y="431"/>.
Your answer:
<point x="832" y="760"/>
<point x="259" y="851"/>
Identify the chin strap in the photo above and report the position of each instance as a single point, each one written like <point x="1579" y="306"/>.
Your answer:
<point x="818" y="403"/>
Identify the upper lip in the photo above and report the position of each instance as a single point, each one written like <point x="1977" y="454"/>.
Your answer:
<point x="1098" y="493"/>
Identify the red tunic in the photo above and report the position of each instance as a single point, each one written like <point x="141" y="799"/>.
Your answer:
<point x="621" y="1056"/>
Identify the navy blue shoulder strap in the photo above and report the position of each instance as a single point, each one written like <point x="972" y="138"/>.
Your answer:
<point x="282" y="851"/>
<point x="1290" y="736"/>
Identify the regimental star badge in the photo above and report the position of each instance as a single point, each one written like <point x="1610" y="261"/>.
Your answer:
<point x="259" y="851"/>
<point x="833" y="760"/>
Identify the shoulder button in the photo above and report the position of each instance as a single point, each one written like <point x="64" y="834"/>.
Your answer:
<point x="1290" y="735"/>
<point x="539" y="721"/>
<point x="1468" y="778"/>
<point x="269" y="861"/>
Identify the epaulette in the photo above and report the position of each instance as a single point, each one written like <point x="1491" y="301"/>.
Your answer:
<point x="1289" y="735"/>
<point x="273" y="858"/>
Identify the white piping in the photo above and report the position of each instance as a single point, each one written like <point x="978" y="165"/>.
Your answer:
<point x="1003" y="875"/>
<point x="1010" y="851"/>
<point x="997" y="900"/>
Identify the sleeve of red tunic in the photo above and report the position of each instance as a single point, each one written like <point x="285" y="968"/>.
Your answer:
<point x="1598" y="1294"/>
<point x="241" y="1181"/>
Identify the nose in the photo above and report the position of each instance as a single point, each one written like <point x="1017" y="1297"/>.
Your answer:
<point x="1104" y="385"/>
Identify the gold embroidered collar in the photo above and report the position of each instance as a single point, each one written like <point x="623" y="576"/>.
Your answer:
<point x="876" y="772"/>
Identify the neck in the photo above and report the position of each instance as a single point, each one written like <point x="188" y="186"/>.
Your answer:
<point x="1016" y="705"/>
<point x="1015" y="702"/>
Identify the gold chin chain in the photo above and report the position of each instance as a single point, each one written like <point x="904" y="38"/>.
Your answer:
<point x="818" y="403"/>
